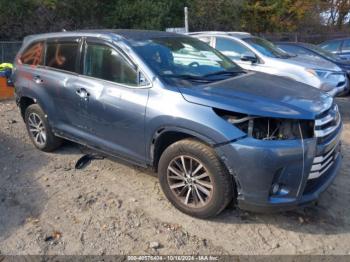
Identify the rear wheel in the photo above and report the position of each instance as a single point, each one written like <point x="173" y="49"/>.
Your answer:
<point x="194" y="180"/>
<point x="39" y="130"/>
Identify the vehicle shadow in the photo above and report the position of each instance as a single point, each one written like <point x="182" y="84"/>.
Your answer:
<point x="22" y="198"/>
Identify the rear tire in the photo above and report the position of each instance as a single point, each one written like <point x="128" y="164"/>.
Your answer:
<point x="39" y="129"/>
<point x="194" y="180"/>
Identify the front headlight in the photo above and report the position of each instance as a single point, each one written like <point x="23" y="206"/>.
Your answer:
<point x="328" y="76"/>
<point x="268" y="128"/>
<point x="319" y="73"/>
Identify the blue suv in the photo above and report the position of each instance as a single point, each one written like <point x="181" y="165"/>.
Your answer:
<point x="214" y="132"/>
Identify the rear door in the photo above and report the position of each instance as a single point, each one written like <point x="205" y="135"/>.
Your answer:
<point x="62" y="60"/>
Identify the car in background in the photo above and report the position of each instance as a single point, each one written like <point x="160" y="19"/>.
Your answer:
<point x="257" y="54"/>
<point x="214" y="132"/>
<point x="306" y="49"/>
<point x="340" y="47"/>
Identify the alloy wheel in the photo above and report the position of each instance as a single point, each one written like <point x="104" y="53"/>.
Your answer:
<point x="37" y="129"/>
<point x="189" y="181"/>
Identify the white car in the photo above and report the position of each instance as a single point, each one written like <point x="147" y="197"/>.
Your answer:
<point x="257" y="54"/>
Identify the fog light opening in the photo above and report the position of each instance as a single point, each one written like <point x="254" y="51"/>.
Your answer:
<point x="275" y="188"/>
<point x="278" y="189"/>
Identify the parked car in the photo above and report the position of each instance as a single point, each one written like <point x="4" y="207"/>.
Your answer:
<point x="306" y="49"/>
<point x="214" y="132"/>
<point x="258" y="54"/>
<point x="340" y="47"/>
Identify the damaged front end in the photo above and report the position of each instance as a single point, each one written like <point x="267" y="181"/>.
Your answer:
<point x="273" y="165"/>
<point x="265" y="128"/>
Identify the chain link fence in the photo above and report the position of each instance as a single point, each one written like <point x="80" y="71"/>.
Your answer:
<point x="8" y="50"/>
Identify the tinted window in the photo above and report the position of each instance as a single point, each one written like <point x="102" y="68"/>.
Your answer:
<point x="62" y="55"/>
<point x="231" y="48"/>
<point x="293" y="49"/>
<point x="266" y="47"/>
<point x="33" y="54"/>
<point x="331" y="46"/>
<point x="106" y="63"/>
<point x="346" y="45"/>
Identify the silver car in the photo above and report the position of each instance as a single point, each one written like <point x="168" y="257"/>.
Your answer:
<point x="257" y="54"/>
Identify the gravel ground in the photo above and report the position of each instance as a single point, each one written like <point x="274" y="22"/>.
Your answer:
<point x="48" y="207"/>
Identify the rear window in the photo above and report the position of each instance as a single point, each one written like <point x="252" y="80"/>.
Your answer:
<point x="62" y="55"/>
<point x="33" y="54"/>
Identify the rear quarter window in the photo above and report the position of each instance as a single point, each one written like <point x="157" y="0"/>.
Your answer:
<point x="33" y="54"/>
<point x="62" y="55"/>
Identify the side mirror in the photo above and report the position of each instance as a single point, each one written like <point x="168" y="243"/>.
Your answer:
<point x="249" y="57"/>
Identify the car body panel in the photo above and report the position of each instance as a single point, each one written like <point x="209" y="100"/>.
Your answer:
<point x="289" y="99"/>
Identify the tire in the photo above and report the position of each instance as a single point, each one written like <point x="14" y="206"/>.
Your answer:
<point x="42" y="137"/>
<point x="212" y="173"/>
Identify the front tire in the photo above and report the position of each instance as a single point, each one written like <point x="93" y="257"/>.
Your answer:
<point x="39" y="129"/>
<point x="194" y="180"/>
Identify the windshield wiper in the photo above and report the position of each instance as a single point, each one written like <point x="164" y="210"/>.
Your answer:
<point x="225" y="72"/>
<point x="187" y="77"/>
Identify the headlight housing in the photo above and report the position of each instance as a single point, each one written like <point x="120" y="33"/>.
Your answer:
<point x="328" y="76"/>
<point x="268" y="128"/>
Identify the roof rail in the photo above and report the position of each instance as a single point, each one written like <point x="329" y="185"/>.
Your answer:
<point x="219" y="33"/>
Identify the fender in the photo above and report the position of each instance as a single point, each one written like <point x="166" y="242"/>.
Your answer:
<point x="165" y="129"/>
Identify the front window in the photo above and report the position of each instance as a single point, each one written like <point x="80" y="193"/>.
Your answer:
<point x="106" y="63"/>
<point x="231" y="48"/>
<point x="266" y="48"/>
<point x="184" y="57"/>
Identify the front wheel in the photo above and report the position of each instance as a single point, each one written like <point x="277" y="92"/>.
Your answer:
<point x="194" y="180"/>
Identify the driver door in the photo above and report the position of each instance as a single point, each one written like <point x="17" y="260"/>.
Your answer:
<point x="112" y="100"/>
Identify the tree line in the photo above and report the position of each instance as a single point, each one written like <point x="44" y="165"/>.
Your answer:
<point x="19" y="18"/>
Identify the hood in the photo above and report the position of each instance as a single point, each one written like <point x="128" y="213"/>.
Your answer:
<point x="312" y="63"/>
<point x="261" y="94"/>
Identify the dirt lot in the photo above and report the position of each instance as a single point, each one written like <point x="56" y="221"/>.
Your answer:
<point x="48" y="207"/>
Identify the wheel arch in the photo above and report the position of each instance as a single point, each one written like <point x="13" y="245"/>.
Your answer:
<point x="166" y="136"/>
<point x="24" y="102"/>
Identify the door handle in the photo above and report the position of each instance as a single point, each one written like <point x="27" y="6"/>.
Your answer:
<point x="37" y="79"/>
<point x="82" y="93"/>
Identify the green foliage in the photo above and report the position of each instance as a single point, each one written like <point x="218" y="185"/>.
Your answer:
<point x="23" y="17"/>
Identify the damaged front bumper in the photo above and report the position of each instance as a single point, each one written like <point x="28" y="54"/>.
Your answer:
<point x="284" y="174"/>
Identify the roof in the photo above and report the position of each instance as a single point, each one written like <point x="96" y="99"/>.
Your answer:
<point x="130" y="34"/>
<point x="234" y="34"/>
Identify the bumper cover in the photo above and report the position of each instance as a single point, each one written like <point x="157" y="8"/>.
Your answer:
<point x="257" y="165"/>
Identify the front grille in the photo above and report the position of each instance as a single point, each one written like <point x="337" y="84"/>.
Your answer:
<point x="322" y="163"/>
<point x="327" y="122"/>
<point x="326" y="127"/>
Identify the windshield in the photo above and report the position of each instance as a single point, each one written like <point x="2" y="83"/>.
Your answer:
<point x="324" y="52"/>
<point x="266" y="48"/>
<point x="184" y="57"/>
